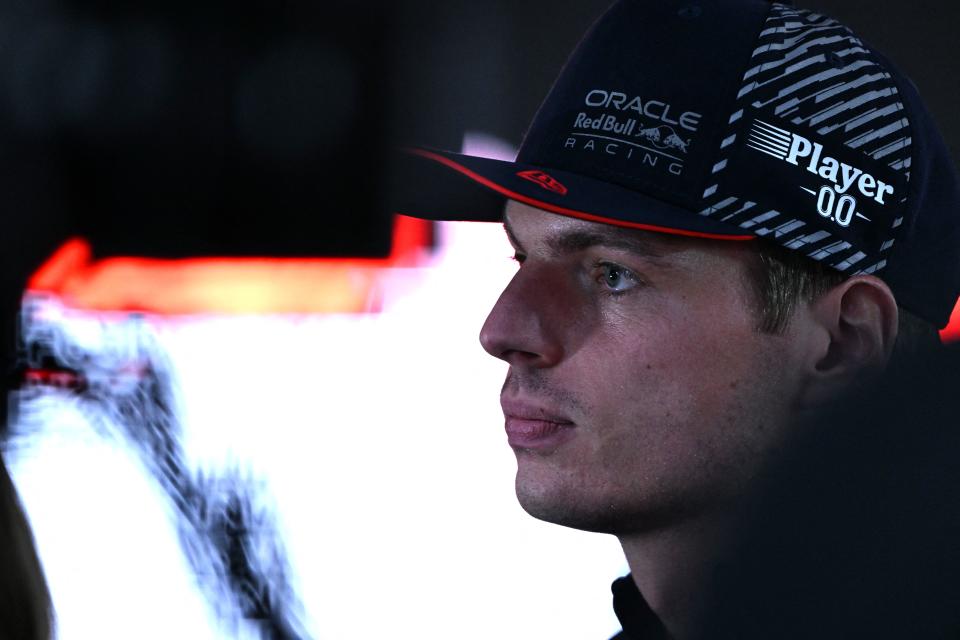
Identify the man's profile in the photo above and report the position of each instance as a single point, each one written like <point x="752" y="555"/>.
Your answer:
<point x="725" y="214"/>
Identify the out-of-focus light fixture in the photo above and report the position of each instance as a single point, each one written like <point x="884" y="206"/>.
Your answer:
<point x="228" y="284"/>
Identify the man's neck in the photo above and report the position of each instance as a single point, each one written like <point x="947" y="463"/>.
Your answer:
<point x="672" y="568"/>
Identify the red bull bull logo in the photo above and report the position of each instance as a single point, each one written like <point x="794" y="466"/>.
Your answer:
<point x="664" y="137"/>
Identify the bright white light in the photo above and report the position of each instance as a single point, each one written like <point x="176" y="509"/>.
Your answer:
<point x="380" y="444"/>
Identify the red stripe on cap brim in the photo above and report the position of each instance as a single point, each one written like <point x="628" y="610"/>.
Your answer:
<point x="583" y="215"/>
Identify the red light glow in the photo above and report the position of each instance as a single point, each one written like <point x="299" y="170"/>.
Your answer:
<point x="951" y="333"/>
<point x="227" y="285"/>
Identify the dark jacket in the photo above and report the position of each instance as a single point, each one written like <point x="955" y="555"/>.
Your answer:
<point x="637" y="620"/>
<point x="853" y="531"/>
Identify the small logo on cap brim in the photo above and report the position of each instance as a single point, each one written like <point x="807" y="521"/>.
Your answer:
<point x="545" y="180"/>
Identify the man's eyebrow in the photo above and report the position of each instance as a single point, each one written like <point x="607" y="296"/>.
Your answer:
<point x="573" y="241"/>
<point x="568" y="242"/>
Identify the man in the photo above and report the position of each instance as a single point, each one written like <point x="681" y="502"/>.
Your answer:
<point x="725" y="214"/>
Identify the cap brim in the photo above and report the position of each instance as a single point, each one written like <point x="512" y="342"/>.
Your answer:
<point x="440" y="185"/>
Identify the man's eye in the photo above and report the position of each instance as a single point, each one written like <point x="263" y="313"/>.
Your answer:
<point x="616" y="278"/>
<point x="519" y="257"/>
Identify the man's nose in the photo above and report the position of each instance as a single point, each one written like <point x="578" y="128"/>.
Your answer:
<point x="524" y="326"/>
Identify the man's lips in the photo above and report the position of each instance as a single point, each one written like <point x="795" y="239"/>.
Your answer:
<point x="533" y="427"/>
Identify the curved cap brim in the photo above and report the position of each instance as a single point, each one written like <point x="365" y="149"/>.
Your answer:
<point x="440" y="185"/>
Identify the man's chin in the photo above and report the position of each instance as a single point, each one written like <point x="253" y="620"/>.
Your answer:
<point x="564" y="506"/>
<point x="568" y="501"/>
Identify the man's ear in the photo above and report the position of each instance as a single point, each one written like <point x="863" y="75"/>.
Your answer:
<point x="854" y="327"/>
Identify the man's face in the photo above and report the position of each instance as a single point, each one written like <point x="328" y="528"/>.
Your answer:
<point x="640" y="390"/>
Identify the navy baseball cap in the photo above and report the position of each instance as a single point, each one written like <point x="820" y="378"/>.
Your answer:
<point x="731" y="120"/>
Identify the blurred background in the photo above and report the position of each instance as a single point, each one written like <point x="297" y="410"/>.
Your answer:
<point x="249" y="399"/>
